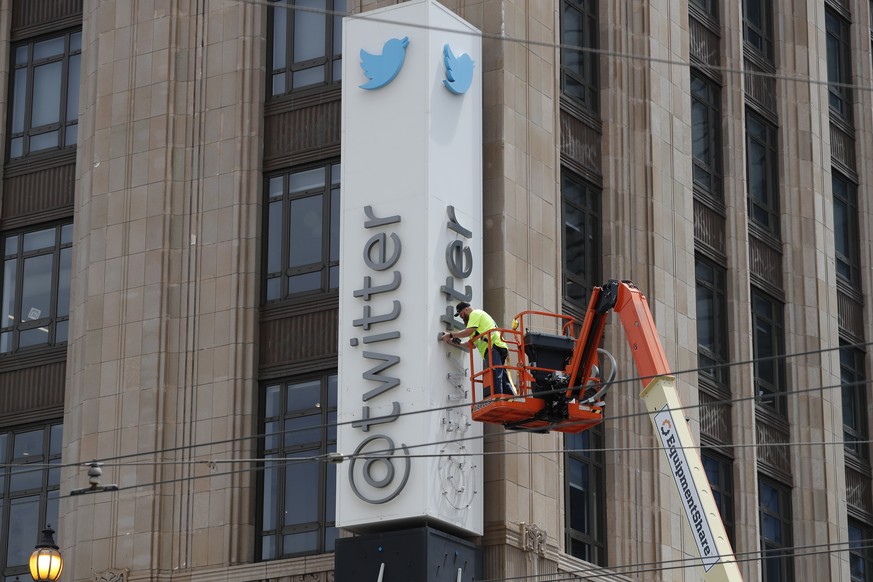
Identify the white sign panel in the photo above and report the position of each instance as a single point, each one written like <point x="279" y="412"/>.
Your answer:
<point x="411" y="249"/>
<point x="671" y="442"/>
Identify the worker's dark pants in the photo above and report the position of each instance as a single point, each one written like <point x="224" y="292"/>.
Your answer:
<point x="494" y="357"/>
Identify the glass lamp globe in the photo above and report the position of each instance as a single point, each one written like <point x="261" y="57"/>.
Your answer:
<point x="46" y="562"/>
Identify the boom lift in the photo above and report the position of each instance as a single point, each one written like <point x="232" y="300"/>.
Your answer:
<point x="558" y="388"/>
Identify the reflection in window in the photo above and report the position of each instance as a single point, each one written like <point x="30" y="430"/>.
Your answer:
<point x="302" y="232"/>
<point x="854" y="400"/>
<point x="584" y="496"/>
<point x="712" y="324"/>
<point x="719" y="473"/>
<point x="761" y="174"/>
<point x="305" y="47"/>
<point x="45" y="94"/>
<point x="36" y="288"/>
<point x="29" y="491"/>
<point x="774" y="512"/>
<point x="860" y="551"/>
<point x="758" y="26"/>
<point x="768" y="345"/>
<point x="839" y="65"/>
<point x="706" y="135"/>
<point x="298" y="493"/>
<point x="580" y="77"/>
<point x="846" y="231"/>
<point x="710" y="7"/>
<point x="582" y="256"/>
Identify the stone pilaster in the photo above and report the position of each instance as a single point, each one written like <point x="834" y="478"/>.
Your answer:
<point x="162" y="335"/>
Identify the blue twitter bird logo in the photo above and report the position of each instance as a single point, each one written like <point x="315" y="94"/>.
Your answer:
<point x="459" y="71"/>
<point x="381" y="69"/>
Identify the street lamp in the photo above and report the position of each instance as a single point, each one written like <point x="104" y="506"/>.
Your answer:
<point x="46" y="562"/>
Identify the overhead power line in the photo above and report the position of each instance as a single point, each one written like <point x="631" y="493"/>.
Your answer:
<point x="109" y="461"/>
<point x="787" y="552"/>
<point x="594" y="572"/>
<point x="502" y="36"/>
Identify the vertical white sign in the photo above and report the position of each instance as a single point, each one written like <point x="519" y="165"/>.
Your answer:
<point x="411" y="249"/>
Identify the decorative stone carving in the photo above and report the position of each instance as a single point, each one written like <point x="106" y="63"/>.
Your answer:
<point x="112" y="575"/>
<point x="533" y="538"/>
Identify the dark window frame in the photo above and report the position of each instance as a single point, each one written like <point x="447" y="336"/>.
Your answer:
<point x="758" y="27"/>
<point x="860" y="551"/>
<point x="277" y="429"/>
<point x="710" y="165"/>
<point x="713" y="361"/>
<point x="586" y="450"/>
<point x="838" y="39"/>
<point x="284" y="72"/>
<point x="707" y="7"/>
<point x="722" y="486"/>
<point x="584" y="73"/>
<point x="846" y="243"/>
<point x="66" y="127"/>
<point x="587" y="205"/>
<point x="40" y="484"/>
<point x="776" y="554"/>
<point x="763" y="210"/>
<point x="853" y="381"/>
<point x="56" y="324"/>
<point x="277" y="282"/>
<point x="771" y="396"/>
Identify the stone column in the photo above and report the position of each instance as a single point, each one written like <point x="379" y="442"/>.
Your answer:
<point x="165" y="288"/>
<point x="810" y="292"/>
<point x="522" y="263"/>
<point x="648" y="238"/>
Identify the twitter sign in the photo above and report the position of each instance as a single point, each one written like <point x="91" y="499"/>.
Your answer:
<point x="411" y="248"/>
<point x="382" y="68"/>
<point x="459" y="71"/>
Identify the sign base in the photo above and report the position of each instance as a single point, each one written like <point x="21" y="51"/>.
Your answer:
<point x="422" y="554"/>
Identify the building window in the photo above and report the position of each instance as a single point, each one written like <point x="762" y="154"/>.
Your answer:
<point x="860" y="551"/>
<point x="584" y="496"/>
<point x="768" y="344"/>
<point x="839" y="65"/>
<point x="305" y="45"/>
<point x="580" y="77"/>
<point x="720" y="474"/>
<point x="709" y="7"/>
<point x="854" y="392"/>
<point x="301" y="232"/>
<point x="774" y="509"/>
<point x="761" y="170"/>
<point x="712" y="324"/>
<point x="45" y="94"/>
<point x="298" y="491"/>
<point x="581" y="260"/>
<point x="758" y="26"/>
<point x="706" y="135"/>
<point x="846" y="231"/>
<point x="36" y="288"/>
<point x="30" y="492"/>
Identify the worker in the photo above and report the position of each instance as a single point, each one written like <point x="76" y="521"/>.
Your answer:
<point x="478" y="322"/>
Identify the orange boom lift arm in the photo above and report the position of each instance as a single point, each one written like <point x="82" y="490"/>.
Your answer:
<point x="559" y="388"/>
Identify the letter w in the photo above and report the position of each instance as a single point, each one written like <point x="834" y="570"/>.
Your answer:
<point x="388" y="382"/>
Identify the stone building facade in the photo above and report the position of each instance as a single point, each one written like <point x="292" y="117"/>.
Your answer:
<point x="170" y="172"/>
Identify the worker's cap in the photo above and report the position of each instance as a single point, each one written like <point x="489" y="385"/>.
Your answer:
<point x="461" y="307"/>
